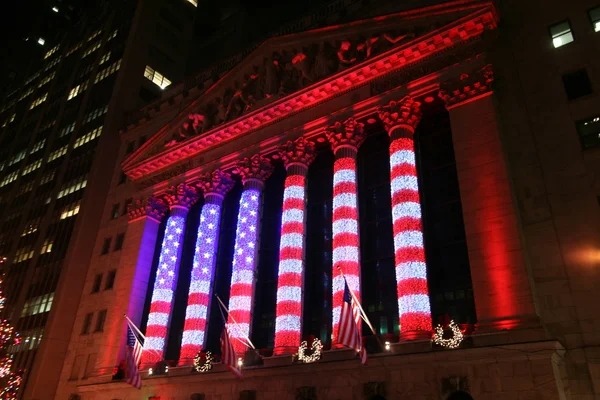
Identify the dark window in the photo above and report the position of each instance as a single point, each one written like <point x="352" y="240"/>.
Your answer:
<point x="87" y="323"/>
<point x="119" y="241"/>
<point x="561" y="33"/>
<point x="594" y="14"/>
<point x="122" y="178"/>
<point x="126" y="206"/>
<point x="577" y="84"/>
<point x="589" y="132"/>
<point x="97" y="283"/>
<point x="114" y="214"/>
<point x="100" y="321"/>
<point x="110" y="279"/>
<point x="106" y="245"/>
<point x="130" y="147"/>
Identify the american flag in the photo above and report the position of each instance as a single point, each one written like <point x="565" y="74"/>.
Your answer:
<point x="349" y="333"/>
<point x="228" y="353"/>
<point x="134" y="354"/>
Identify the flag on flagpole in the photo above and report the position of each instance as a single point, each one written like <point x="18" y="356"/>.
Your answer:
<point x="228" y="353"/>
<point x="134" y="355"/>
<point x="349" y="333"/>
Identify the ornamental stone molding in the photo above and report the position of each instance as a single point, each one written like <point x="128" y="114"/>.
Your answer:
<point x="467" y="87"/>
<point x="256" y="168"/>
<point x="349" y="133"/>
<point x="182" y="196"/>
<point x="150" y="207"/>
<point x="299" y="151"/>
<point x="216" y="182"/>
<point x="405" y="112"/>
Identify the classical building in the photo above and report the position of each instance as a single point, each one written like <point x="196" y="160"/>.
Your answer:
<point x="398" y="154"/>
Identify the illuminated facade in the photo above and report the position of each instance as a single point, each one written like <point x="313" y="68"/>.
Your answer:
<point x="371" y="152"/>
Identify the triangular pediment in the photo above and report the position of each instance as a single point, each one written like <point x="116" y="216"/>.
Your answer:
<point x="287" y="67"/>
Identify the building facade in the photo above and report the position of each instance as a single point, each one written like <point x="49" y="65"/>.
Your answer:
<point x="400" y="154"/>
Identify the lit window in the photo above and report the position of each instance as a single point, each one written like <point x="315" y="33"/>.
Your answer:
<point x="46" y="80"/>
<point x="114" y="67"/>
<point x="93" y="35"/>
<point x="193" y="2"/>
<point x="55" y="9"/>
<point x="72" y="187"/>
<point x="70" y="210"/>
<point x="156" y="77"/>
<point x="92" y="115"/>
<point x="91" y="49"/>
<point x="105" y="57"/>
<point x="32" y="167"/>
<point x="114" y="34"/>
<point x="25" y="94"/>
<point x="594" y="14"/>
<point x="30" y="340"/>
<point x="18" y="157"/>
<point x="58" y="153"/>
<point x="23" y="254"/>
<point x="47" y="246"/>
<point x="48" y="177"/>
<point x="561" y="34"/>
<point x="77" y="90"/>
<point x="38" y="146"/>
<point x="51" y="51"/>
<point x="52" y="63"/>
<point x="38" y="101"/>
<point x="87" y="137"/>
<point x="31" y="227"/>
<point x="589" y="132"/>
<point x="41" y="41"/>
<point x="13" y="176"/>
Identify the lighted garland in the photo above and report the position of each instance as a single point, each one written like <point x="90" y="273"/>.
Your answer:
<point x="315" y="355"/>
<point x="451" y="343"/>
<point x="203" y="361"/>
<point x="9" y="381"/>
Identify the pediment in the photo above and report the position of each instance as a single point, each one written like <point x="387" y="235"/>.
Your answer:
<point x="287" y="73"/>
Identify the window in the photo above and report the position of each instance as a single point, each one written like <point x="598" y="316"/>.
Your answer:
<point x="91" y="49"/>
<point x="47" y="246"/>
<point x="67" y="130"/>
<point x="77" y="90"/>
<point x="193" y="2"/>
<point x="38" y="146"/>
<point x="561" y="34"/>
<point x="32" y="167"/>
<point x="88" y="137"/>
<point x="119" y="242"/>
<point x="58" y="153"/>
<point x="52" y="50"/>
<point x="23" y="254"/>
<point x="110" y="279"/>
<point x="72" y="186"/>
<point x="114" y="67"/>
<point x="105" y="58"/>
<point x="106" y="245"/>
<point x="70" y="210"/>
<point x="38" y="305"/>
<point x="46" y="79"/>
<point x="577" y="84"/>
<point x="38" y="101"/>
<point x="13" y="176"/>
<point x="589" y="132"/>
<point x="114" y="214"/>
<point x="100" y="321"/>
<point x="97" y="283"/>
<point x="95" y="114"/>
<point x="156" y="77"/>
<point x="87" y="323"/>
<point x="594" y="14"/>
<point x="94" y="34"/>
<point x="126" y="205"/>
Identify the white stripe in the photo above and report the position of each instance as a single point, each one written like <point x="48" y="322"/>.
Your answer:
<point x="240" y="303"/>
<point x="290" y="266"/>
<point x="344" y="175"/>
<point x="289" y="293"/>
<point x="293" y="192"/>
<point x="404" y="182"/>
<point x="336" y="314"/>
<point x="345" y="225"/>
<point x="287" y="323"/>
<point x="242" y="276"/>
<point x="409" y="270"/>
<point x="239" y="330"/>
<point x="196" y="311"/>
<point x="402" y="157"/>
<point x="345" y="253"/>
<point x="193" y="337"/>
<point x="414" y="303"/>
<point x="344" y="200"/>
<point x="291" y="240"/>
<point x="200" y="286"/>
<point x="158" y="318"/>
<point x="154" y="343"/>
<point x="408" y="239"/>
<point x="353" y="283"/>
<point x="406" y="209"/>
<point x="292" y="215"/>
<point x="162" y="295"/>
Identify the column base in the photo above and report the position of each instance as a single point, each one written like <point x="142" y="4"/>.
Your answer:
<point x="284" y="350"/>
<point x="415" y="335"/>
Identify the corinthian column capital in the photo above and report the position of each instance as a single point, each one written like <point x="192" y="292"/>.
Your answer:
<point x="405" y="112"/>
<point x="349" y="133"/>
<point x="255" y="168"/>
<point x="150" y="207"/>
<point x="299" y="151"/>
<point x="467" y="87"/>
<point x="181" y="196"/>
<point x="216" y="182"/>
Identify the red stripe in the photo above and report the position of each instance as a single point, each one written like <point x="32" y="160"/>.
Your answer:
<point x="160" y="307"/>
<point x="289" y="308"/>
<point x="402" y="144"/>
<point x="344" y="187"/>
<point x="403" y="169"/>
<point x="345" y="239"/>
<point x="240" y="315"/>
<point x="197" y="298"/>
<point x="412" y="286"/>
<point x="196" y="324"/>
<point x="407" y="224"/>
<point x="293" y="203"/>
<point x="156" y="331"/>
<point x="292" y="227"/>
<point x="344" y="163"/>
<point x="189" y="351"/>
<point x="407" y="254"/>
<point x="403" y="196"/>
<point x="290" y="279"/>
<point x="240" y="289"/>
<point x="290" y="253"/>
<point x="294" y="180"/>
<point x="345" y="213"/>
<point x="415" y="321"/>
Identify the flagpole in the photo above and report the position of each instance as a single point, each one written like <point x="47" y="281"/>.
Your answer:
<point x="132" y="325"/>
<point x="234" y="322"/>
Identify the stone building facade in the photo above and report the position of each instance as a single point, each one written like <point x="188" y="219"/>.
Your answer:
<point x="224" y="184"/>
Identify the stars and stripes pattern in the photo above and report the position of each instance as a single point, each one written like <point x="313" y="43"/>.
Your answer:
<point x="411" y="272"/>
<point x="134" y="354"/>
<point x="241" y="295"/>
<point x="201" y="283"/>
<point x="288" y="324"/>
<point x="164" y="286"/>
<point x="228" y="353"/>
<point x="349" y="333"/>
<point x="345" y="232"/>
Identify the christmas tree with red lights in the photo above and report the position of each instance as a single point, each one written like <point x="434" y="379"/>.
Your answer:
<point x="9" y="380"/>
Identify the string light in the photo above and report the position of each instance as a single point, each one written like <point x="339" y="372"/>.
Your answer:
<point x="240" y="362"/>
<point x="150" y="371"/>
<point x="450" y="343"/>
<point x="11" y="381"/>
<point x="203" y="362"/>
<point x="387" y="346"/>
<point x="315" y="355"/>
<point x="411" y="271"/>
<point x="162" y="294"/>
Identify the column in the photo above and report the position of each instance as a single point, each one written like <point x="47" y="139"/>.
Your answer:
<point x="134" y="269"/>
<point x="501" y="285"/>
<point x="297" y="156"/>
<point x="215" y="186"/>
<point x="180" y="199"/>
<point x="253" y="171"/>
<point x="400" y="120"/>
<point x="345" y="139"/>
